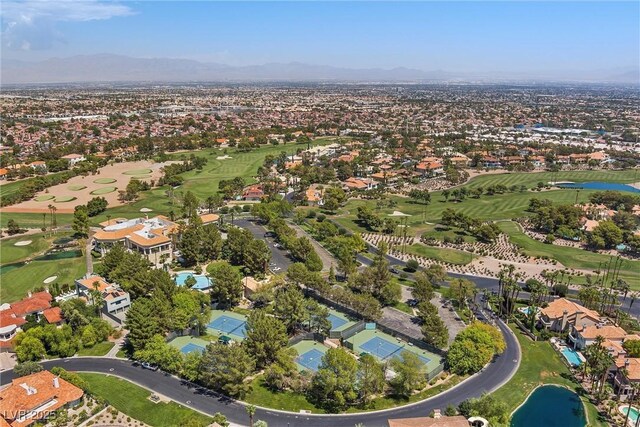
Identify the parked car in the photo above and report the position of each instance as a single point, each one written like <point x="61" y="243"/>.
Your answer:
<point x="149" y="366"/>
<point x="394" y="270"/>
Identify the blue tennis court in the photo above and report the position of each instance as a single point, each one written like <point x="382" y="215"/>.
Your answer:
<point x="311" y="359"/>
<point x="336" y="321"/>
<point x="229" y="325"/>
<point x="191" y="347"/>
<point x="381" y="348"/>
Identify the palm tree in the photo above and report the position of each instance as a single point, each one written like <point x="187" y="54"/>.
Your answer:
<point x="251" y="410"/>
<point x="96" y="298"/>
<point x="51" y="211"/>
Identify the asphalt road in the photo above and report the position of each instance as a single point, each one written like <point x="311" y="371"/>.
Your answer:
<point x="492" y="377"/>
<point x="279" y="257"/>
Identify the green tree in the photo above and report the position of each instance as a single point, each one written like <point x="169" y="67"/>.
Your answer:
<point x="211" y="243"/>
<point x="632" y="347"/>
<point x="410" y="374"/>
<point x="256" y="257"/>
<point x="142" y="323"/>
<point x="474" y="347"/>
<point x="234" y="247"/>
<point x="433" y="328"/>
<point x="158" y="352"/>
<point x="334" y="384"/>
<point x="191" y="245"/>
<point x="608" y="233"/>
<point x="370" y="377"/>
<point x="422" y="290"/>
<point x="289" y="306"/>
<point x="225" y="368"/>
<point x="81" y="221"/>
<point x="26" y="368"/>
<point x="283" y="372"/>
<point x="227" y="284"/>
<point x="30" y="349"/>
<point x="265" y="336"/>
<point x="190" y="204"/>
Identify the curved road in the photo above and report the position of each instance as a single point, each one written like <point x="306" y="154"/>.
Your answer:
<point x="493" y="376"/>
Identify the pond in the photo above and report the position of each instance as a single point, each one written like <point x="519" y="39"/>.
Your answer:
<point x="550" y="406"/>
<point x="55" y="255"/>
<point x="598" y="185"/>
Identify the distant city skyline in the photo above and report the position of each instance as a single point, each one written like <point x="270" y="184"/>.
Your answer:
<point x="518" y="38"/>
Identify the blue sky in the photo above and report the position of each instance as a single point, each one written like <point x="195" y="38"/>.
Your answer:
<point x="453" y="36"/>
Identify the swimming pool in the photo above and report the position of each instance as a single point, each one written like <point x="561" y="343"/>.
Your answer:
<point x="202" y="281"/>
<point x="571" y="356"/>
<point x="633" y="413"/>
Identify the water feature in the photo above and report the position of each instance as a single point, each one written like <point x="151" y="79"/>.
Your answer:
<point x="550" y="406"/>
<point x="633" y="413"/>
<point x="202" y="281"/>
<point x="599" y="185"/>
<point x="55" y="255"/>
<point x="572" y="356"/>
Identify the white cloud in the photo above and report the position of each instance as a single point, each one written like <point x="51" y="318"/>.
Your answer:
<point x="30" y="24"/>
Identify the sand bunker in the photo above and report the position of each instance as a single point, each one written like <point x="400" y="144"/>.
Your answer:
<point x="50" y="279"/>
<point x="225" y="157"/>
<point x="146" y="210"/>
<point x="22" y="243"/>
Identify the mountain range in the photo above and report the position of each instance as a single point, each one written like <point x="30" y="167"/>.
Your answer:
<point x="118" y="68"/>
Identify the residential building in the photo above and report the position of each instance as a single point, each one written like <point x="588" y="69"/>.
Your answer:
<point x="253" y="193"/>
<point x="314" y="195"/>
<point x="561" y="315"/>
<point x="583" y="335"/>
<point x="115" y="299"/>
<point x="74" y="159"/>
<point x="151" y="237"/>
<point x="36" y="397"/>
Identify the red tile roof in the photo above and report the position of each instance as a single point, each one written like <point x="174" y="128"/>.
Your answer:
<point x="39" y="301"/>
<point x="53" y="315"/>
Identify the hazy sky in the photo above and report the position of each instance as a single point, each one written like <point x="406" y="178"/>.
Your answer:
<point x="454" y="36"/>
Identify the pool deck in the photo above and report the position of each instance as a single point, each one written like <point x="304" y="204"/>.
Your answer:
<point x="362" y="337"/>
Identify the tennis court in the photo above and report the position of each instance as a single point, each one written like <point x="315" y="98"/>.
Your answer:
<point x="188" y="344"/>
<point x="310" y="355"/>
<point x="191" y="347"/>
<point x="385" y="347"/>
<point x="228" y="323"/>
<point x="339" y="322"/>
<point x="310" y="360"/>
<point x="381" y="348"/>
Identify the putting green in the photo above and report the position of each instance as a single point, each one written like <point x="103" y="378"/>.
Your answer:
<point x="44" y="198"/>
<point x="77" y="187"/>
<point x="137" y="172"/>
<point x="64" y="199"/>
<point x="104" y="180"/>
<point x="104" y="190"/>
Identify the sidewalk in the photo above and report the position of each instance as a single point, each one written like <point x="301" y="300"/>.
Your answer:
<point x="325" y="256"/>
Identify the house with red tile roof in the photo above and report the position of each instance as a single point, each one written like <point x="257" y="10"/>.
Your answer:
<point x="36" y="397"/>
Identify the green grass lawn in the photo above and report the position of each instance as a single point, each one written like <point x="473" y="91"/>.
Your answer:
<point x="289" y="401"/>
<point x="10" y="253"/>
<point x="133" y="400"/>
<point x="496" y="207"/>
<point x="17" y="282"/>
<point x="99" y="349"/>
<point x="532" y="179"/>
<point x="540" y="365"/>
<point x="452" y="256"/>
<point x="570" y="257"/>
<point x="33" y="220"/>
